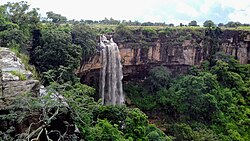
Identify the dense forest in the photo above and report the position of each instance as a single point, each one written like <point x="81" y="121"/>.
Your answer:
<point x="209" y="103"/>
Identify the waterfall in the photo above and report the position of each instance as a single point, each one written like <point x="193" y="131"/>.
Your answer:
<point x="111" y="73"/>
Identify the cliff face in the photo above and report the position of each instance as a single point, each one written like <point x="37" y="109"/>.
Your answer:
<point x="15" y="79"/>
<point x="176" y="49"/>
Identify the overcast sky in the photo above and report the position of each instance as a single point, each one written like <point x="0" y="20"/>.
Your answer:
<point x="169" y="11"/>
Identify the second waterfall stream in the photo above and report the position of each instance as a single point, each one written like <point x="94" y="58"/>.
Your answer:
<point x="111" y="75"/>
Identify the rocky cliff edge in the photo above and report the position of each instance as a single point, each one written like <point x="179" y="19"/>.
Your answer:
<point x="14" y="78"/>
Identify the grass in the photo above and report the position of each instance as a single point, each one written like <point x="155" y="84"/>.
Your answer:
<point x="244" y="28"/>
<point x="19" y="74"/>
<point x="96" y="26"/>
<point x="103" y="26"/>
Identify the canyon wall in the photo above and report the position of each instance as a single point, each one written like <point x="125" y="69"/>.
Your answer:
<point x="176" y="49"/>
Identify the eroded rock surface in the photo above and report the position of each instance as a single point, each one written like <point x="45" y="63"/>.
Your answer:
<point x="176" y="51"/>
<point x="15" y="79"/>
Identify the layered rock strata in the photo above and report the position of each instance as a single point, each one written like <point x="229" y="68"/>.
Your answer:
<point x="177" y="50"/>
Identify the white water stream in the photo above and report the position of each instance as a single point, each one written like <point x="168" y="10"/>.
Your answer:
<point x="111" y="75"/>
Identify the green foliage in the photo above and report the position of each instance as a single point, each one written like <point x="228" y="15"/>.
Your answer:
<point x="227" y="78"/>
<point x="155" y="134"/>
<point x="149" y="34"/>
<point x="233" y="24"/>
<point x="135" y="124"/>
<point x="132" y="122"/>
<point x="211" y="103"/>
<point x="85" y="37"/>
<point x="123" y="34"/>
<point x="78" y="98"/>
<point x="19" y="74"/>
<point x="159" y="77"/>
<point x="104" y="131"/>
<point x="98" y="122"/>
<point x="43" y="110"/>
<point x="56" y="18"/>
<point x="19" y="13"/>
<point x="57" y="53"/>
<point x="115" y="114"/>
<point x="12" y="35"/>
<point x="144" y="95"/>
<point x="166" y="32"/>
<point x="208" y="23"/>
<point x="76" y="105"/>
<point x="194" y="94"/>
<point x="183" y="131"/>
<point x="140" y="96"/>
<point x="192" y="23"/>
<point x="208" y="104"/>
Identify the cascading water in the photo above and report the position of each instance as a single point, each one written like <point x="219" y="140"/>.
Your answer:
<point x="111" y="73"/>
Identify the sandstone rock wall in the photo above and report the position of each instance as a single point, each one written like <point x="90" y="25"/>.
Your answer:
<point x="176" y="50"/>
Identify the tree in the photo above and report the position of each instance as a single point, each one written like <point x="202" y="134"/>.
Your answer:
<point x="57" y="54"/>
<point x="104" y="131"/>
<point x="56" y="18"/>
<point x="17" y="22"/>
<point x="220" y="24"/>
<point x="122" y="33"/>
<point x="192" y="96"/>
<point x="192" y="23"/>
<point x="12" y="36"/>
<point x="2" y="15"/>
<point x="171" y="25"/>
<point x="208" y="23"/>
<point x="230" y="24"/>
<point x="89" y="21"/>
<point x="159" y="77"/>
<point x="147" y="24"/>
<point x="233" y="24"/>
<point x="19" y="13"/>
<point x="84" y="36"/>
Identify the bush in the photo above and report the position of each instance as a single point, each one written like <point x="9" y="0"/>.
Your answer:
<point x="104" y="131"/>
<point x="183" y="131"/>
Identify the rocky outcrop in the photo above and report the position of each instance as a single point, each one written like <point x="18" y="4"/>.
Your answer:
<point x="177" y="50"/>
<point x="15" y="79"/>
<point x="237" y="43"/>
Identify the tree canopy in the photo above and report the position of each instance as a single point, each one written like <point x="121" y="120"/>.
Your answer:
<point x="208" y="23"/>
